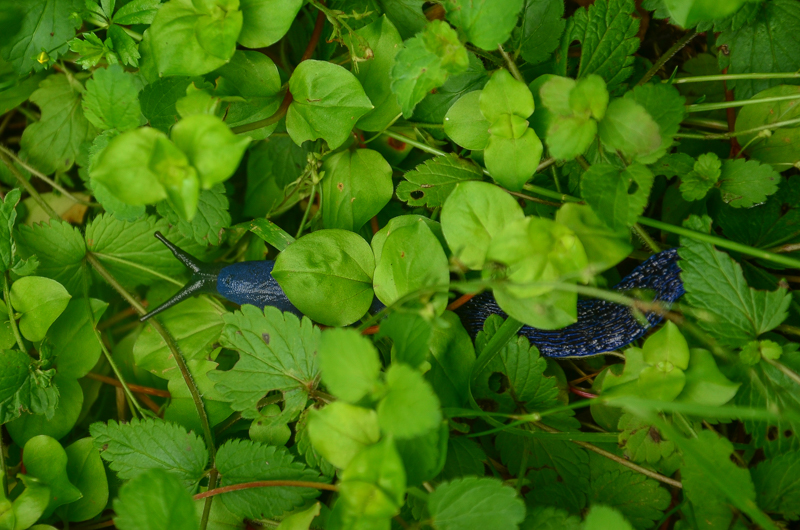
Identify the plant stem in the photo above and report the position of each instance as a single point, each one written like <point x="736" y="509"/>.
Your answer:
<point x="308" y="209"/>
<point x="29" y="187"/>
<point x="142" y="268"/>
<point x="642" y="233"/>
<point x="725" y="136"/>
<point x="11" y="320"/>
<point x="212" y="484"/>
<point x="785" y="370"/>
<point x="730" y="77"/>
<point x="512" y="66"/>
<point x="275" y="118"/>
<point x="621" y="461"/>
<point x="267" y="484"/>
<point x="703" y="107"/>
<point x="666" y="56"/>
<point x="134" y="388"/>
<point x="53" y="184"/>
<point x="708" y="123"/>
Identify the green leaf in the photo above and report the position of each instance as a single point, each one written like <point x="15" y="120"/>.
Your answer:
<point x="45" y="460"/>
<point x="407" y="15"/>
<point x="550" y="518"/>
<point x="768" y="42"/>
<point x="542" y="26"/>
<point x="688" y="13"/>
<point x="412" y="259"/>
<point x="300" y="520"/>
<point x="24" y="386"/>
<point x="133" y="448"/>
<point x="464" y="123"/>
<point x="607" y="32"/>
<point x="265" y="22"/>
<point x="667" y="345"/>
<point x="601" y="517"/>
<point x="210" y="146"/>
<point x="85" y="470"/>
<point x="617" y="197"/>
<point x="568" y="112"/>
<point x="434" y="106"/>
<point x="714" y="282"/>
<point x="778" y="148"/>
<point x="270" y="428"/>
<point x="663" y="382"/>
<point x="209" y="224"/>
<point x="473" y="214"/>
<point x="193" y="38"/>
<point x="31" y="503"/>
<point x="410" y="334"/>
<point x="124" y="45"/>
<point x="484" y="23"/>
<point x="8" y="216"/>
<point x="53" y="143"/>
<point x="137" y="12"/>
<point x="41" y="301"/>
<point x="452" y="357"/>
<point x="464" y="457"/>
<point x="60" y="250"/>
<point x="642" y="442"/>
<point x="375" y="74"/>
<point x="379" y="239"/>
<point x="475" y="502"/>
<point x="277" y="352"/>
<point x="410" y="407"/>
<point x="272" y="166"/>
<point x="512" y="159"/>
<point x="628" y="127"/>
<point x="59" y="422"/>
<point x="425" y="63"/>
<point x="327" y="275"/>
<point x="776" y="486"/>
<point x="92" y="50"/>
<point x="242" y="461"/>
<point x="666" y="107"/>
<point x="374" y="482"/>
<point x="705" y="384"/>
<point x="349" y="364"/>
<point x="340" y="431"/>
<point x="745" y="183"/>
<point x="698" y="182"/>
<point x="154" y="500"/>
<point x="604" y="247"/>
<point x="357" y="185"/>
<point x="45" y="26"/>
<point x="158" y="99"/>
<point x="505" y="95"/>
<point x="111" y="100"/>
<point x="328" y="101"/>
<point x="431" y="182"/>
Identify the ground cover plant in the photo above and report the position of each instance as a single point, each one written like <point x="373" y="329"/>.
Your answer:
<point x="417" y="153"/>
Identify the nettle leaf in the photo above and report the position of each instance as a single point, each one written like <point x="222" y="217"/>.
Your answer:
<point x="210" y="221"/>
<point x="618" y="197"/>
<point x="745" y="183"/>
<point x="111" y="100"/>
<point x="53" y="143"/>
<point x="484" y="23"/>
<point x="60" y="249"/>
<point x="124" y="45"/>
<point x="242" y="461"/>
<point x="349" y="364"/>
<point x="44" y="26"/>
<point x="778" y="148"/>
<point x="642" y="442"/>
<point x="473" y="501"/>
<point x="542" y="26"/>
<point x="133" y="448"/>
<point x="265" y="22"/>
<point x="357" y="185"/>
<point x="431" y="182"/>
<point x="425" y="63"/>
<point x="328" y="101"/>
<point x="154" y="500"/>
<point x="8" y="216"/>
<point x="276" y="352"/>
<point x="92" y="50"/>
<point x="158" y="100"/>
<point x="25" y="387"/>
<point x="776" y="486"/>
<point x="714" y="282"/>
<point x="375" y="74"/>
<point x="340" y="431"/>
<point x="409" y="408"/>
<point x="464" y="457"/>
<point x="698" y="182"/>
<point x="550" y="518"/>
<point x="193" y="38"/>
<point x="607" y="32"/>
<point x="327" y="275"/>
<point x="768" y="42"/>
<point x="472" y="215"/>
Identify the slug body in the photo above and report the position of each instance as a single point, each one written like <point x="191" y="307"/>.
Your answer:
<point x="602" y="326"/>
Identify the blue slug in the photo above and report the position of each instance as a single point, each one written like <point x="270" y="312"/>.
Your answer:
<point x="601" y="327"/>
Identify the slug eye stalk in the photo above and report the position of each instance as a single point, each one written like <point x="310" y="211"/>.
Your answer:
<point x="203" y="280"/>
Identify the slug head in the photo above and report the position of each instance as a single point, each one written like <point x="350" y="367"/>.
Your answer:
<point x="203" y="280"/>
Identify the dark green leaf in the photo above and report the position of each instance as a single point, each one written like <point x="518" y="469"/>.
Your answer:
<point x="777" y="148"/>
<point x="745" y="183"/>
<point x="617" y="197"/>
<point x="273" y="165"/>
<point x="431" y="183"/>
<point x="8" y="216"/>
<point x="58" y="422"/>
<point x="158" y="101"/>
<point x="484" y="23"/>
<point x="25" y="387"/>
<point x="60" y="250"/>
<point x="154" y="500"/>
<point x="776" y="485"/>
<point x="542" y="26"/>
<point x="474" y="502"/>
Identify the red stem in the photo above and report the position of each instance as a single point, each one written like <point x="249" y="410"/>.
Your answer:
<point x="266" y="484"/>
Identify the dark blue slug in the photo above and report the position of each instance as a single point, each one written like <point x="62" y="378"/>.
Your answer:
<point x="601" y="327"/>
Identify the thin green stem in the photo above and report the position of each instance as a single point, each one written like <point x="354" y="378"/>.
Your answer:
<point x="142" y="268"/>
<point x="308" y="209"/>
<point x="267" y="484"/>
<point x="29" y="187"/>
<point x="666" y="56"/>
<point x="785" y="370"/>
<point x="275" y="118"/>
<point x="512" y="66"/>
<point x="3" y="468"/>
<point x="725" y="136"/>
<point x="644" y="236"/>
<point x="507" y="330"/>
<point x="703" y="107"/>
<point x="730" y="77"/>
<point x="43" y="177"/>
<point x="11" y="320"/>
<point x="212" y="484"/>
<point x="708" y="123"/>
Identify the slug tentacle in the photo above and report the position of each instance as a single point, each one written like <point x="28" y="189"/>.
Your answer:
<point x="203" y="280"/>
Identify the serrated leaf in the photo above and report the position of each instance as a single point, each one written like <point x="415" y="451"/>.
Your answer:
<point x="25" y="387"/>
<point x="56" y="423"/>
<point x="158" y="100"/>
<point x="617" y="197"/>
<point x="60" y="250"/>
<point x="140" y="445"/>
<point x="425" y="63"/>
<point x="53" y="143"/>
<point x="276" y="352"/>
<point x="209" y="223"/>
<point x="241" y="461"/>
<point x="137" y="12"/>
<point x="698" y="182"/>
<point x="8" y="217"/>
<point x="779" y="148"/>
<point x="431" y="182"/>
<point x="112" y="99"/>
<point x="744" y="183"/>
<point x="776" y="485"/>
<point x="475" y="502"/>
<point x="714" y="282"/>
<point x="91" y="50"/>
<point x="550" y="518"/>
<point x="464" y="457"/>
<point x="607" y="32"/>
<point x="154" y="500"/>
<point x="642" y="442"/>
<point x="484" y="23"/>
<point x="542" y="26"/>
